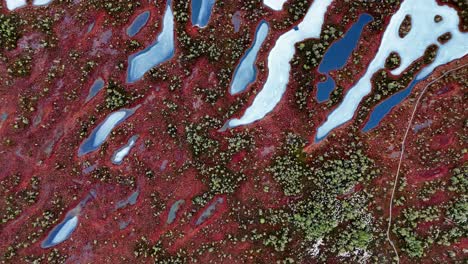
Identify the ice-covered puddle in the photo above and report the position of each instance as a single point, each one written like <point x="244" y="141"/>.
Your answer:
<point x="138" y="23"/>
<point x="122" y="152"/>
<point x="102" y="131"/>
<point x="276" y="5"/>
<point x="158" y="52"/>
<point x="424" y="32"/>
<point x="278" y="64"/>
<point x="201" y="12"/>
<point x="246" y="71"/>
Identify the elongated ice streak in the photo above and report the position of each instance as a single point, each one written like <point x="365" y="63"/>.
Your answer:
<point x="246" y="71"/>
<point x="278" y="64"/>
<point x="424" y="32"/>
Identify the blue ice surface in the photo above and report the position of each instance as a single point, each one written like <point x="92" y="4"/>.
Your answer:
<point x="61" y="232"/>
<point x="95" y="88"/>
<point x="138" y="23"/>
<point x="173" y="211"/>
<point x="246" y="72"/>
<point x="201" y="12"/>
<point x="102" y="131"/>
<point x="324" y="89"/>
<point x="382" y="109"/>
<point x="338" y="53"/>
<point x="160" y="51"/>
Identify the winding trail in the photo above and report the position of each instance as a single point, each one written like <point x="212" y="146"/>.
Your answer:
<point x="395" y="181"/>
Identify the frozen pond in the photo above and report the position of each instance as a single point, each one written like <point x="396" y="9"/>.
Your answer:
<point x="138" y="23"/>
<point x="246" y="72"/>
<point x="278" y="64"/>
<point x="95" y="88"/>
<point x="424" y="32"/>
<point x="337" y="56"/>
<point x="201" y="12"/>
<point x="276" y="5"/>
<point x="158" y="52"/>
<point x="122" y="152"/>
<point x="102" y="131"/>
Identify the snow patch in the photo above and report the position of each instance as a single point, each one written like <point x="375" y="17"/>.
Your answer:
<point x="276" y="5"/>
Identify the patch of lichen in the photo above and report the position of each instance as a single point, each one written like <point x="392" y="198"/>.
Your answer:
<point x="289" y="169"/>
<point x="446" y="222"/>
<point x="21" y="67"/>
<point x="10" y="31"/>
<point x="145" y="249"/>
<point x="198" y="138"/>
<point x="330" y="209"/>
<point x="217" y="45"/>
<point x="254" y="9"/>
<point x="116" y="96"/>
<point x="120" y="10"/>
<point x="16" y="201"/>
<point x="459" y="180"/>
<point x="416" y="243"/>
<point x="393" y="61"/>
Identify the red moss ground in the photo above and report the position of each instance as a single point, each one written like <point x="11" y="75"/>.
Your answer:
<point x="274" y="181"/>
